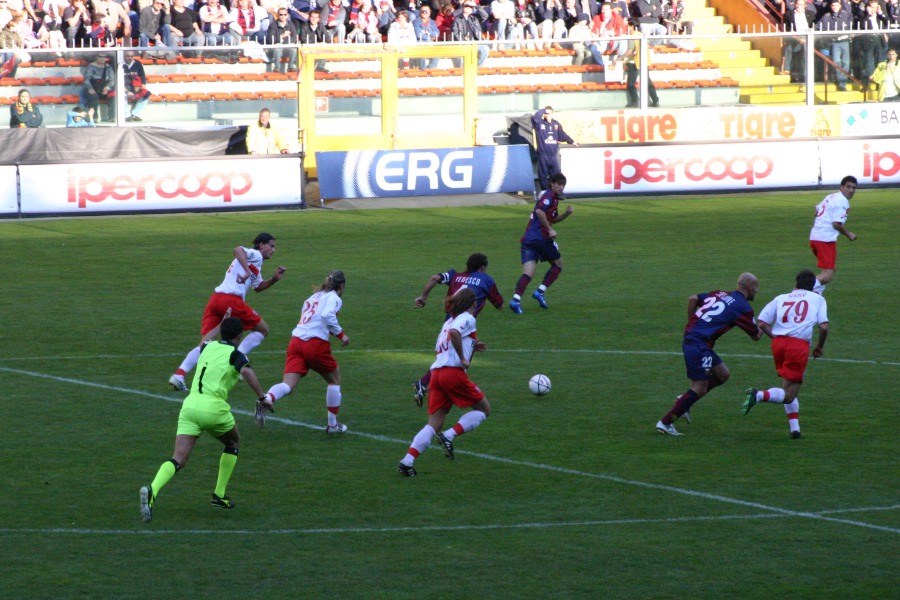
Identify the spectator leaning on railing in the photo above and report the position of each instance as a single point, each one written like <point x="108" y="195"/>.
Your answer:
<point x="837" y="47"/>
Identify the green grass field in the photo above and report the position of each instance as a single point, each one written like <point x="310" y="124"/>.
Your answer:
<point x="573" y="495"/>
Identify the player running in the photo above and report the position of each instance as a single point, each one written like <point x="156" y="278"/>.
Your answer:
<point x="789" y="321"/>
<point x="450" y="383"/>
<point x="710" y="316"/>
<point x="244" y="273"/>
<point x="475" y="278"/>
<point x="539" y="243"/>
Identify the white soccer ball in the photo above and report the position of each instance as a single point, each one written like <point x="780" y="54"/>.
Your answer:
<point x="539" y="385"/>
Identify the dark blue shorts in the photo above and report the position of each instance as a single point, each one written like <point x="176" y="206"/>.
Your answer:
<point x="699" y="359"/>
<point x="545" y="250"/>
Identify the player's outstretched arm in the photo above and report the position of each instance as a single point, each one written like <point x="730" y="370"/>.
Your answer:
<point x="267" y="283"/>
<point x="819" y="350"/>
<point x="429" y="285"/>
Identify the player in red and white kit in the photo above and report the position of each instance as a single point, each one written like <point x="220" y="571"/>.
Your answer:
<point x="789" y="320"/>
<point x="831" y="214"/>
<point x="309" y="348"/>
<point x="244" y="273"/>
<point x="449" y="382"/>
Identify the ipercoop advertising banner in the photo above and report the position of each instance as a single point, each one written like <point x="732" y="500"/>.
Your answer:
<point x="700" y="167"/>
<point x="160" y="185"/>
<point x="9" y="201"/>
<point x="391" y="173"/>
<point x="875" y="161"/>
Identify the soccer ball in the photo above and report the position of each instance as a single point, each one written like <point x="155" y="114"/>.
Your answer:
<point x="539" y="385"/>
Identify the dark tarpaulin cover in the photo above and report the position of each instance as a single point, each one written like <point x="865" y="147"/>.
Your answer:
<point x="520" y="129"/>
<point x="62" y="144"/>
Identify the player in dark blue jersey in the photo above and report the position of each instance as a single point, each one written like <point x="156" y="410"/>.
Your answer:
<point x="710" y="316"/>
<point x="539" y="243"/>
<point x="547" y="136"/>
<point x="475" y="277"/>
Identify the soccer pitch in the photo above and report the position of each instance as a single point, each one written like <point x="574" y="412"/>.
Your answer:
<point x="572" y="495"/>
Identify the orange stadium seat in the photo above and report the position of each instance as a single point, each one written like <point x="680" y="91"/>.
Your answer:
<point x="227" y="77"/>
<point x="56" y="80"/>
<point x="291" y="95"/>
<point x="204" y="78"/>
<point x="277" y="76"/>
<point x="173" y="97"/>
<point x="197" y="96"/>
<point x="5" y="101"/>
<point x="48" y="100"/>
<point x="244" y="96"/>
<point x="74" y="80"/>
<point x="71" y="99"/>
<point x="31" y="81"/>
<point x="220" y="96"/>
<point x="252" y="77"/>
<point x="68" y="62"/>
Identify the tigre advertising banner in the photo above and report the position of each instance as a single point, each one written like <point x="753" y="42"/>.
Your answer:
<point x="160" y="185"/>
<point x="391" y="173"/>
<point x="9" y="196"/>
<point x="690" y="168"/>
<point x="731" y="124"/>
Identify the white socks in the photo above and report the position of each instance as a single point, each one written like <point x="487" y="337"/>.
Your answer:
<point x="190" y="361"/>
<point x="278" y="391"/>
<point x="467" y="422"/>
<point x="253" y="339"/>
<point x="333" y="403"/>
<point x="776" y="395"/>
<point x="419" y="444"/>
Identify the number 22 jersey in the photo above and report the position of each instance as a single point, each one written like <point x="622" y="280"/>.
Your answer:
<point x="717" y="314"/>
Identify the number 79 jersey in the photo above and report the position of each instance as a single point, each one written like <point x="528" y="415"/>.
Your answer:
<point x="795" y="314"/>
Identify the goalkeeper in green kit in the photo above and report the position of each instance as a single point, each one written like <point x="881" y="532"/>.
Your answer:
<point x="206" y="408"/>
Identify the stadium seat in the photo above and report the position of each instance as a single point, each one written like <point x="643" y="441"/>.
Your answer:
<point x="204" y="78"/>
<point x="267" y="95"/>
<point x="277" y="76"/>
<point x="173" y="97"/>
<point x="68" y="62"/>
<point x="220" y="96"/>
<point x="31" y="81"/>
<point x="197" y="96"/>
<point x="227" y="77"/>
<point x="71" y="99"/>
<point x="289" y="95"/>
<point x="252" y="77"/>
<point x="178" y="78"/>
<point x="75" y="80"/>
<point x="153" y="78"/>
<point x="244" y="96"/>
<point x="56" y="80"/>
<point x="48" y="100"/>
<point x="6" y="101"/>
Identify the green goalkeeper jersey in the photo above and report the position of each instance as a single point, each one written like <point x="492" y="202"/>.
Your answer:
<point x="218" y="370"/>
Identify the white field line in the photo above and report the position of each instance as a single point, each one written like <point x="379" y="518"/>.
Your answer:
<point x="766" y="357"/>
<point x="425" y="528"/>
<point x="509" y="461"/>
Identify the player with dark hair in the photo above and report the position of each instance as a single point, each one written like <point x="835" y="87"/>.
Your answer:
<point x="831" y="214"/>
<point x="476" y="279"/>
<point x="547" y="135"/>
<point x="309" y="348"/>
<point x="710" y="316"/>
<point x="539" y="243"/>
<point x="244" y="272"/>
<point x="789" y="321"/>
<point x="206" y="409"/>
<point x="450" y="384"/>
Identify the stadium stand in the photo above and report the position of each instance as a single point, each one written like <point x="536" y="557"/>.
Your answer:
<point x="716" y="67"/>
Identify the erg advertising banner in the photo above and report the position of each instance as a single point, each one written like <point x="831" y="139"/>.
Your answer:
<point x="159" y="185"/>
<point x="392" y="173"/>
<point x="701" y="167"/>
